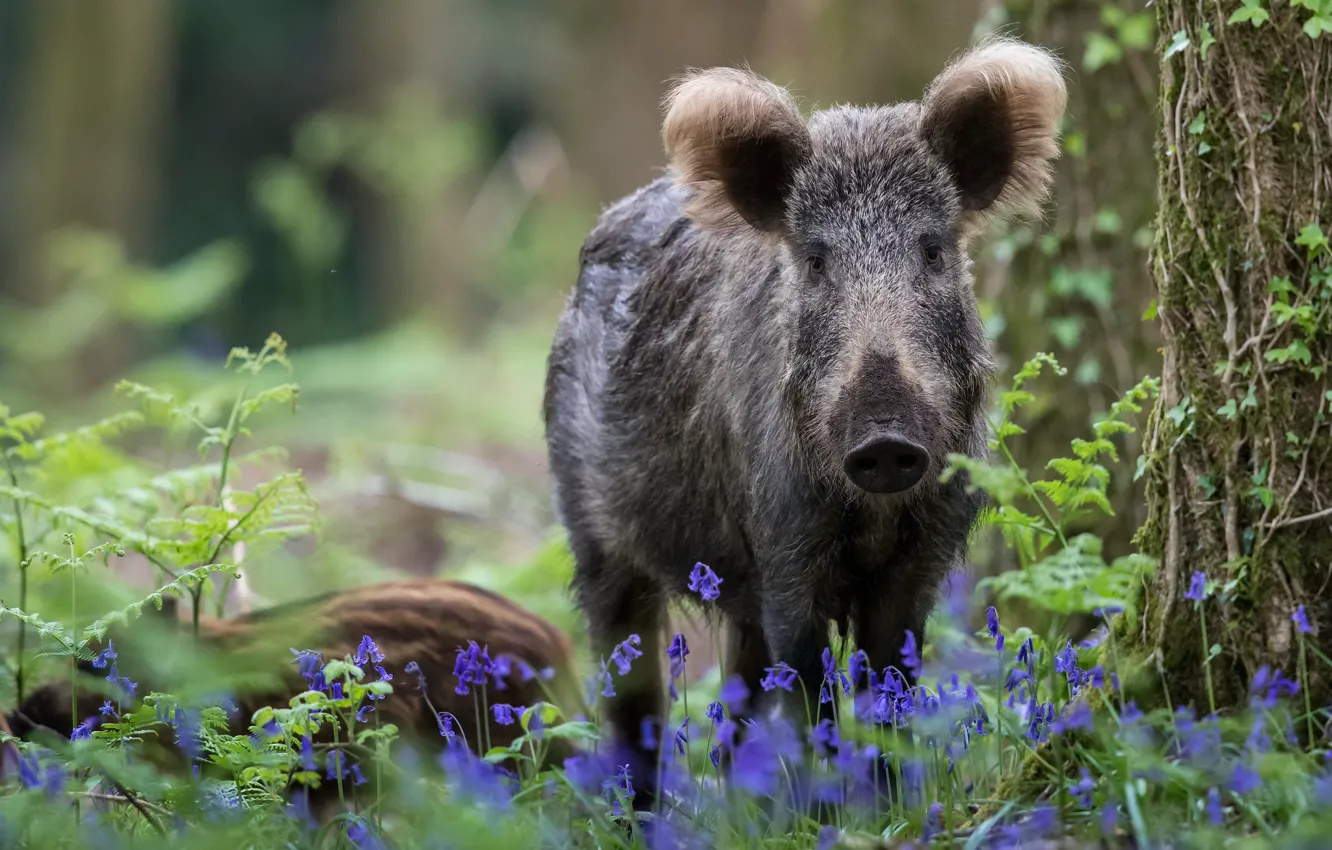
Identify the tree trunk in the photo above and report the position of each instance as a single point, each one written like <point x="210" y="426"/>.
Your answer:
<point x="1238" y="480"/>
<point x="97" y="89"/>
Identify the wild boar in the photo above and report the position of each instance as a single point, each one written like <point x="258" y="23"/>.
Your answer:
<point x="769" y="354"/>
<point x="417" y="620"/>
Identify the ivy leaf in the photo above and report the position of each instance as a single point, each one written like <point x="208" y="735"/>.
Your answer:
<point x="1198" y="124"/>
<point x="1178" y="42"/>
<point x="1228" y="410"/>
<point x="1207" y="41"/>
<point x="1251" y="11"/>
<point x="1150" y="312"/>
<point x="1311" y="236"/>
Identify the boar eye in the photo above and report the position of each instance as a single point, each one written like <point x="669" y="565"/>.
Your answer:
<point x="933" y="252"/>
<point x="816" y="265"/>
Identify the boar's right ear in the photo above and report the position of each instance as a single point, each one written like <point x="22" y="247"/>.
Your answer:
<point x="738" y="140"/>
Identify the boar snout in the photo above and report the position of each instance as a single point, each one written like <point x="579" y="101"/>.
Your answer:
<point x="886" y="463"/>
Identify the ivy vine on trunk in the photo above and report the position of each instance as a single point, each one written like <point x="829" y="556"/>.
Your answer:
<point x="1239" y="451"/>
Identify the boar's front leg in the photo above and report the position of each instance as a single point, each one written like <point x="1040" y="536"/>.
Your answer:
<point x="619" y="603"/>
<point x="796" y="637"/>
<point x="881" y="625"/>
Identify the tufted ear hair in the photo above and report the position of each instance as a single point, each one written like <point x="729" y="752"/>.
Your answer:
<point x="737" y="140"/>
<point x="993" y="117"/>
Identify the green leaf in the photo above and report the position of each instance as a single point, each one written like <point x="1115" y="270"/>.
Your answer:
<point x="1137" y="30"/>
<point x="1150" y="313"/>
<point x="1311" y="236"/>
<point x="1251" y="11"/>
<point x="1178" y="42"/>
<point x="1108" y="221"/>
<point x="1228" y="409"/>
<point x="1101" y="51"/>
<point x="1198" y="124"/>
<point x="1207" y="41"/>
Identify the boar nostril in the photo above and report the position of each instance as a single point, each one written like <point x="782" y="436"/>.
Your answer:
<point x="886" y="465"/>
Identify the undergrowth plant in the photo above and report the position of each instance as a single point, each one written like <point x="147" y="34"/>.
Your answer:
<point x="1009" y="738"/>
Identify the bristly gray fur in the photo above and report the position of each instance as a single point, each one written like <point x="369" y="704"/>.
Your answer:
<point x="707" y="378"/>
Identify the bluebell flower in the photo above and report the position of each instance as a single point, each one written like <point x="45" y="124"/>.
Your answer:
<point x="337" y="765"/>
<point x="586" y="771"/>
<point x="1094" y="639"/>
<point x="1066" y="660"/>
<point x="933" y="824"/>
<point x="1258" y="741"/>
<point x="1322" y="789"/>
<point x="53" y="779"/>
<point x="500" y="672"/>
<point x="1043" y="820"/>
<point x="362" y="835"/>
<point x="715" y="713"/>
<point x="1016" y="676"/>
<point x="474" y="780"/>
<point x="704" y="582"/>
<point x="1131" y="714"/>
<point x="824" y="736"/>
<point x="1078" y="716"/>
<point x="83" y="731"/>
<point x="676" y="652"/>
<point x="503" y="714"/>
<point x="446" y="723"/>
<point x="106" y="656"/>
<point x="310" y="664"/>
<point x="682" y="737"/>
<point x="625" y="652"/>
<point x="715" y="755"/>
<point x="607" y="689"/>
<point x="1215" y="814"/>
<point x="831" y="678"/>
<point x="470" y="668"/>
<point x="29" y="775"/>
<point x="107" y="710"/>
<point x="622" y="783"/>
<point x="336" y="691"/>
<point x="647" y="733"/>
<point x="1197" y="591"/>
<point x="1243" y="780"/>
<point x="307" y="754"/>
<point x="1083" y="790"/>
<point x="734" y="694"/>
<point x="358" y="778"/>
<point x="363" y="713"/>
<point x="1272" y="685"/>
<point x="1095" y="677"/>
<point x="910" y="653"/>
<point x="827" y="839"/>
<point x="992" y="621"/>
<point x="782" y="676"/>
<point x="1301" y="620"/>
<point x="414" y="669"/>
<point x="367" y="653"/>
<point x="1109" y="819"/>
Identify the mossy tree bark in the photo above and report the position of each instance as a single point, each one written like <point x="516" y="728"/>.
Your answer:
<point x="1239" y="466"/>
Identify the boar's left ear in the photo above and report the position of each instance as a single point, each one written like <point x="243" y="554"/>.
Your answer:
<point x="993" y="118"/>
<point x="738" y="140"/>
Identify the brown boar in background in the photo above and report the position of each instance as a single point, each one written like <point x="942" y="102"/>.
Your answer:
<point x="416" y="620"/>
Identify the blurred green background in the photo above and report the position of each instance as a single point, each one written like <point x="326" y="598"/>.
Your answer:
<point x="400" y="189"/>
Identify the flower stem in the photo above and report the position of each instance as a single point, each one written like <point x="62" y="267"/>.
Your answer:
<point x="1207" y="660"/>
